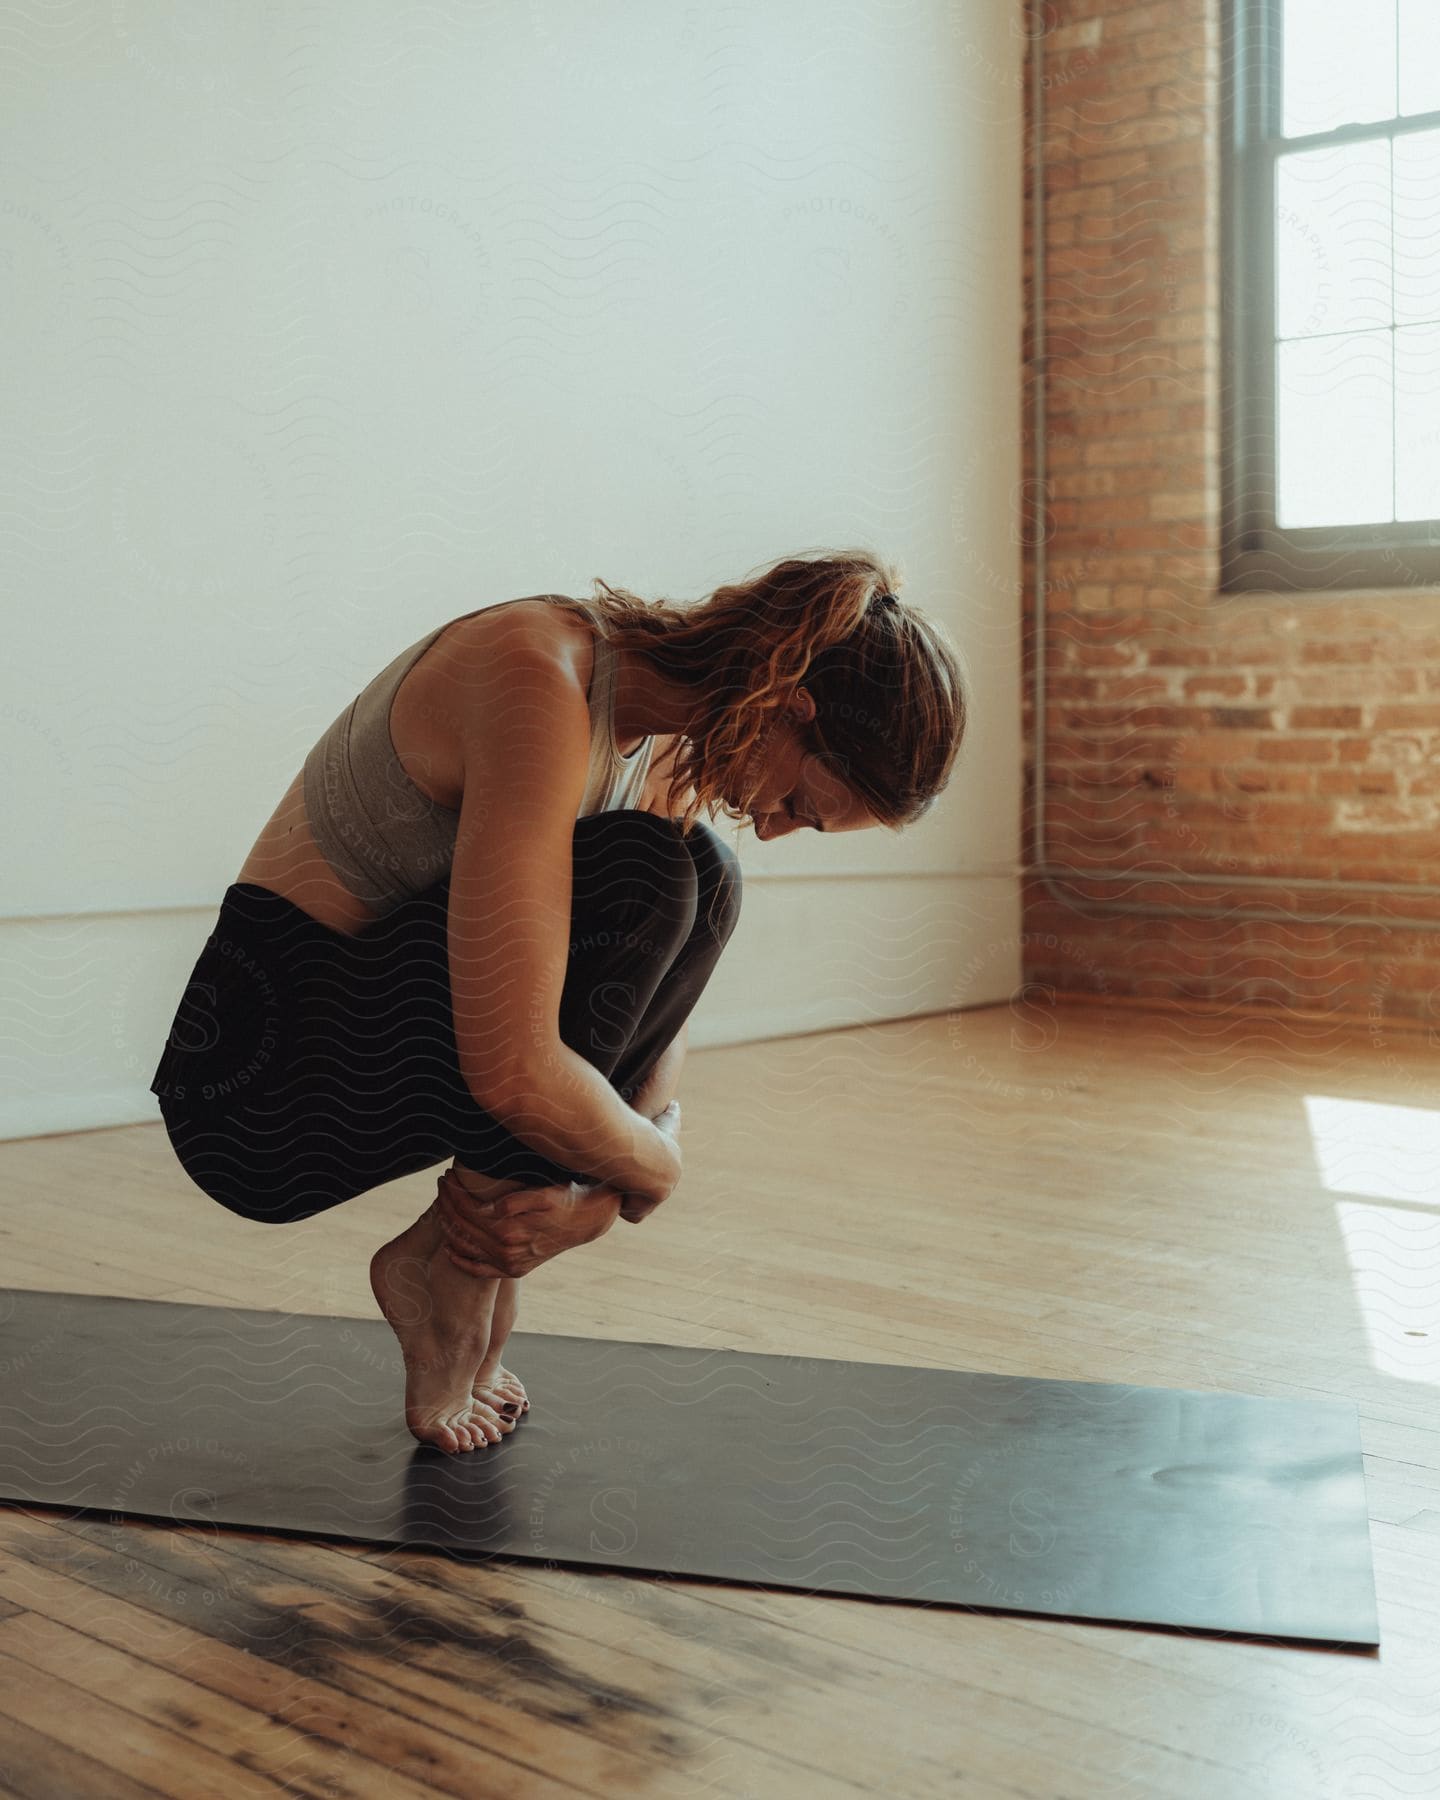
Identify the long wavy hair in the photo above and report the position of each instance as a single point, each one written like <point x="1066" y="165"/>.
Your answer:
<point x="890" y="689"/>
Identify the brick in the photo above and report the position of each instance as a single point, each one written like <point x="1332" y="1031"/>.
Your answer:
<point x="1077" y="200"/>
<point x="1160" y="131"/>
<point x="1131" y="21"/>
<point x="1325" y="718"/>
<point x="1073" y="400"/>
<point x="1138" y="717"/>
<point x="1226" y="686"/>
<point x="1243" y="718"/>
<point x="1417" y="848"/>
<point x="1092" y="116"/>
<point x="1374" y="814"/>
<point x="1144" y="71"/>
<point x="1367" y="683"/>
<point x="1315" y="750"/>
<point x="1145" y="537"/>
<point x="1351" y="651"/>
<point x="1221" y="747"/>
<point x="1103" y="656"/>
<point x="1120" y="165"/>
<point x="1130" y="686"/>
<point x="1084" y="483"/>
<point x="1183" y="655"/>
<point x="1356" y="781"/>
<point x="1089" y="538"/>
<point x="1185" y="94"/>
<point x="1258" y="650"/>
<point x="1266" y="780"/>
<point x="1272" y="812"/>
<point x="1401" y="717"/>
<point x="1181" y="31"/>
<point x="1176" y="506"/>
<point x="1119" y="568"/>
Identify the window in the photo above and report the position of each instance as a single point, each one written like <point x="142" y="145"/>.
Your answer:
<point x="1331" y="317"/>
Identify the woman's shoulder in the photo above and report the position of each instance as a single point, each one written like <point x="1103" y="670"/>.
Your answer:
<point x="475" y="651"/>
<point x="552" y="624"/>
<point x="478" y="667"/>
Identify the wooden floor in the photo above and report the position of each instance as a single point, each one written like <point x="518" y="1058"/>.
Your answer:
<point x="1100" y="1193"/>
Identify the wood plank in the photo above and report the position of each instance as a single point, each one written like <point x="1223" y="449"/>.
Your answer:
<point x="36" y="1767"/>
<point x="149" y="1752"/>
<point x="219" y="1734"/>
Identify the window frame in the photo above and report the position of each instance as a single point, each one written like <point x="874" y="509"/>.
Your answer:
<point x="1256" y="554"/>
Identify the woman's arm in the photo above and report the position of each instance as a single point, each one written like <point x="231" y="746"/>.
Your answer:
<point x="562" y="1216"/>
<point x="525" y="737"/>
<point x="514" y="1234"/>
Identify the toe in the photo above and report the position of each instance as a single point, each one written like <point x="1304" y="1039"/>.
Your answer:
<point x="508" y="1388"/>
<point x="490" y="1422"/>
<point x="435" y="1434"/>
<point x="495" y="1409"/>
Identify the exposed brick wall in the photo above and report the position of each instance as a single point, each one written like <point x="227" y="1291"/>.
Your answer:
<point x="1187" y="729"/>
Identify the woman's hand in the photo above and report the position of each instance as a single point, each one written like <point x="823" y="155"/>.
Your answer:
<point x="512" y="1235"/>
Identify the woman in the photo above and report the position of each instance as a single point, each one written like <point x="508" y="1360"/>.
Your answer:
<point x="479" y="918"/>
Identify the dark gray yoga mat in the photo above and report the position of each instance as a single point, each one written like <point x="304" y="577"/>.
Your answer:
<point x="1216" y="1512"/>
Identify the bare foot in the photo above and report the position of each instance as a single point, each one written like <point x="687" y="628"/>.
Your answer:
<point x="494" y="1385"/>
<point x="441" y="1317"/>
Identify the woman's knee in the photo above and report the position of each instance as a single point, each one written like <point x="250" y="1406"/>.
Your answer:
<point x="719" y="881"/>
<point x="636" y="862"/>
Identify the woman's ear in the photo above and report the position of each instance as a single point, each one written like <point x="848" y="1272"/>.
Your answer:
<point x="802" y="707"/>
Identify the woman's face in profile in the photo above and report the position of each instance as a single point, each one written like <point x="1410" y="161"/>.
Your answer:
<point x="799" y="786"/>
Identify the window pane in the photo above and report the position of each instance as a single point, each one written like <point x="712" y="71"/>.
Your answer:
<point x="1337" y="58"/>
<point x="1419" y="56"/>
<point x="1332" y="405"/>
<point x="1417" y="422"/>
<point x="1332" y="239"/>
<point x="1417" y="226"/>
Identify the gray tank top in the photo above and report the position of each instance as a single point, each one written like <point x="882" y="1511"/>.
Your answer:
<point x="381" y="835"/>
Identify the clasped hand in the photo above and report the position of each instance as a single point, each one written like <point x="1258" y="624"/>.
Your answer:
<point x="512" y="1235"/>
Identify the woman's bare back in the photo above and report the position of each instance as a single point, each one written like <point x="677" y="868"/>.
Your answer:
<point x="285" y="857"/>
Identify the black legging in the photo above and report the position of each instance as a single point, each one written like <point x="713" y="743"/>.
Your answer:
<point x="305" y="1065"/>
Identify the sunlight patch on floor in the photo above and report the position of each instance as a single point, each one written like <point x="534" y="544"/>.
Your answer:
<point x="1382" y="1152"/>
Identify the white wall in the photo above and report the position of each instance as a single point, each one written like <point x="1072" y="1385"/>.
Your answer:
<point x="334" y="323"/>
